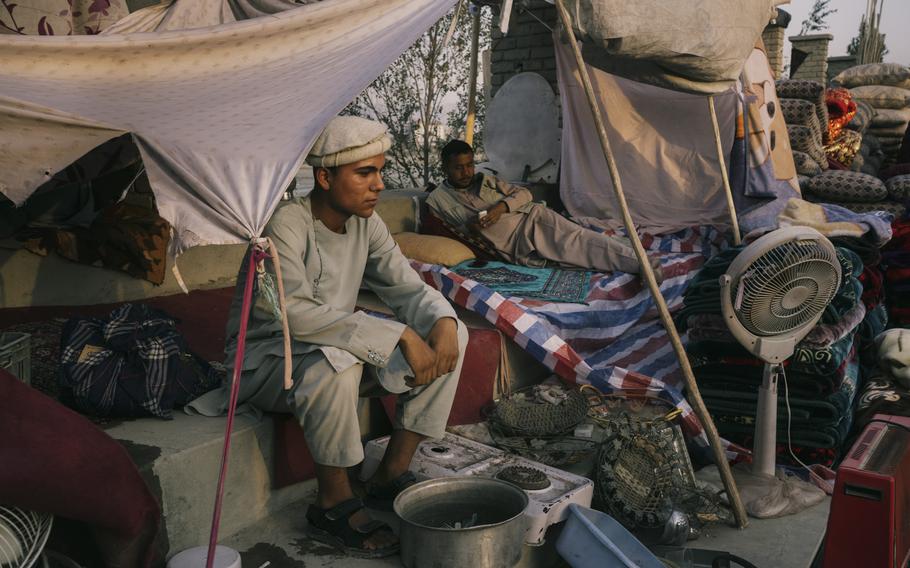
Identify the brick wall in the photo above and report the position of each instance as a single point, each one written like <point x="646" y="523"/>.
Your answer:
<point x="840" y="63"/>
<point x="809" y="57"/>
<point x="528" y="46"/>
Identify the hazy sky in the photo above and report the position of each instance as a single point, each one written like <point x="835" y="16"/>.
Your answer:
<point x="844" y="24"/>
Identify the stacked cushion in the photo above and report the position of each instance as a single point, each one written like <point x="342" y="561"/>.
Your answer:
<point x="886" y="87"/>
<point x="850" y="187"/>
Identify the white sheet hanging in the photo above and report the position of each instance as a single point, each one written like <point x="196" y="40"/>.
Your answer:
<point x="223" y="115"/>
<point x="664" y="147"/>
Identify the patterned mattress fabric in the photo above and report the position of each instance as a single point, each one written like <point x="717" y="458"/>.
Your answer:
<point x="802" y="139"/>
<point x="898" y="187"/>
<point x="845" y="147"/>
<point x="805" y="165"/>
<point x="798" y="112"/>
<point x="848" y="187"/>
<point x="615" y="340"/>
<point x="811" y="91"/>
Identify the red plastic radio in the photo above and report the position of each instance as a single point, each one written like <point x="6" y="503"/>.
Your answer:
<point x="869" y="522"/>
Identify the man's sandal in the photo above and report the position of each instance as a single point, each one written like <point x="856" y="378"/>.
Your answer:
<point x="381" y="497"/>
<point x="332" y="527"/>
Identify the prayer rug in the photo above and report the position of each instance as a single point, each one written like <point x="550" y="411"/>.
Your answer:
<point x="545" y="284"/>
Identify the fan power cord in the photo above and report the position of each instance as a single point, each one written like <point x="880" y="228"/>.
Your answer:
<point x="783" y="374"/>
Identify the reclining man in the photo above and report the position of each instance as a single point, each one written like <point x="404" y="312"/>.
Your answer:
<point x="522" y="231"/>
<point x="328" y="243"/>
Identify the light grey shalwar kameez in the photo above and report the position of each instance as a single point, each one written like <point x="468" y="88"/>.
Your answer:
<point x="332" y="344"/>
<point x="530" y="232"/>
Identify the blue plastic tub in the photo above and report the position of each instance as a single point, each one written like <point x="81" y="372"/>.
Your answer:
<point x="592" y="539"/>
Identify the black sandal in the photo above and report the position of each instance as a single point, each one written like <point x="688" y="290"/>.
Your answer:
<point x="381" y="497"/>
<point x="332" y="527"/>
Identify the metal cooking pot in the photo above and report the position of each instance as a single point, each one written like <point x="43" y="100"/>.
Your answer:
<point x="462" y="522"/>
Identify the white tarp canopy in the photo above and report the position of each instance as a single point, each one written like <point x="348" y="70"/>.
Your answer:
<point x="221" y="114"/>
<point x="691" y="45"/>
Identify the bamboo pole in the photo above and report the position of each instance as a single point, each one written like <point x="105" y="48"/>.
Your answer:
<point x="472" y="85"/>
<point x="739" y="512"/>
<point x="734" y="222"/>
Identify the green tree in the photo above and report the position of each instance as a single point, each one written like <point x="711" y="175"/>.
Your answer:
<point x="817" y="16"/>
<point x="422" y="98"/>
<point x="853" y="47"/>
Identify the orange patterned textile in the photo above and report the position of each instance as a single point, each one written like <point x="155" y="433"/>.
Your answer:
<point x="841" y="110"/>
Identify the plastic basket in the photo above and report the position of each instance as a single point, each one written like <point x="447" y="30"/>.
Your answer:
<point x="592" y="539"/>
<point x="15" y="355"/>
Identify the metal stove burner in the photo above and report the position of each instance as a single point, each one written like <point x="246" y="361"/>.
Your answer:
<point x="528" y="478"/>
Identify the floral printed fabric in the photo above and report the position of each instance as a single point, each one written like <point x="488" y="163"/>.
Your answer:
<point x="845" y="147"/>
<point x="59" y="17"/>
<point x="841" y="110"/>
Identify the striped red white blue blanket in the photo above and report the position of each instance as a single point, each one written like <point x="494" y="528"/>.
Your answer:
<point x="615" y="340"/>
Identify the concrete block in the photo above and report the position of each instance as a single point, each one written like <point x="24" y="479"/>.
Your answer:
<point x="517" y="54"/>
<point x="180" y="460"/>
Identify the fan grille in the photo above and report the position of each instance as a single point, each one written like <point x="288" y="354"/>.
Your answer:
<point x="786" y="287"/>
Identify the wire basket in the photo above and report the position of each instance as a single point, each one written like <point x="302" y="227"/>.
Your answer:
<point x="535" y="412"/>
<point x="15" y="354"/>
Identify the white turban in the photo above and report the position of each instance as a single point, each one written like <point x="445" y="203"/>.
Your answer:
<point x="348" y="139"/>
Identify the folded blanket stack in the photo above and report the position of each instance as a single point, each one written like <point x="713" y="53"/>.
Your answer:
<point x="888" y="389"/>
<point x="823" y="374"/>
<point x="896" y="261"/>
<point x="886" y="88"/>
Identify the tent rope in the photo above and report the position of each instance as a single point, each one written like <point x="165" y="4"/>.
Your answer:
<point x="256" y="255"/>
<point x="647" y="273"/>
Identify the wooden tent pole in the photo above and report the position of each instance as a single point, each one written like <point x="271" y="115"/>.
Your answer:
<point x="734" y="222"/>
<point x="472" y="85"/>
<point x="693" y="394"/>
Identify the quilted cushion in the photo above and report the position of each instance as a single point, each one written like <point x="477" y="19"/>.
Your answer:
<point x="886" y="117"/>
<point x="802" y="139"/>
<point x="432" y="249"/>
<point x="811" y="91"/>
<point x="899" y="187"/>
<point x="798" y="112"/>
<point x="846" y="186"/>
<point x="882" y="96"/>
<point x="858" y="162"/>
<point x="875" y="74"/>
<point x="805" y="165"/>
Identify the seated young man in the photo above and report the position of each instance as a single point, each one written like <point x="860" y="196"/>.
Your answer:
<point x="522" y="231"/>
<point x="328" y="243"/>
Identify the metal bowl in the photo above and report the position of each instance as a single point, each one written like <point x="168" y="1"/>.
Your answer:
<point x="456" y="522"/>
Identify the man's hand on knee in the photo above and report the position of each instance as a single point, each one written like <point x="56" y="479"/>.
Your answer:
<point x="420" y="356"/>
<point x="443" y="339"/>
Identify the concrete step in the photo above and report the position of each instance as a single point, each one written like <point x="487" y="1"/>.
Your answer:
<point x="180" y="459"/>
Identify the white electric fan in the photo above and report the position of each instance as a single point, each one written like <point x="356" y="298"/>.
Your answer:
<point x="23" y="535"/>
<point x="772" y="295"/>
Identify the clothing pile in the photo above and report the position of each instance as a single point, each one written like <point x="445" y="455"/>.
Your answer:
<point x="886" y="88"/>
<point x="823" y="375"/>
<point x="896" y="259"/>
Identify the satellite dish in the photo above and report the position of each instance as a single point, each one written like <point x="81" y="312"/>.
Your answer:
<point x="522" y="136"/>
